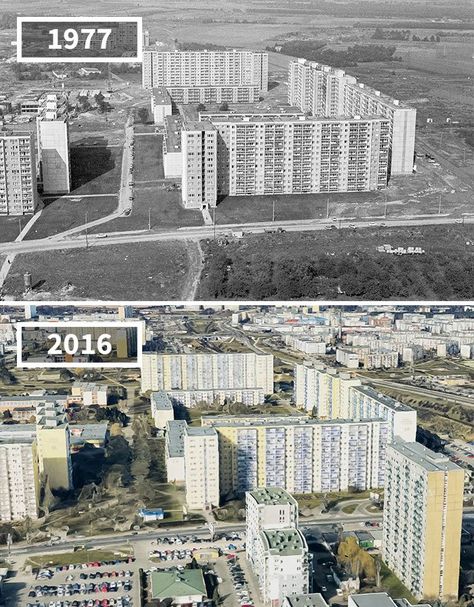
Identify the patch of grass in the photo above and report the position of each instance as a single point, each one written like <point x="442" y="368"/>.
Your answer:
<point x="95" y="169"/>
<point x="393" y="586"/>
<point x="78" y="557"/>
<point x="63" y="214"/>
<point x="349" y="509"/>
<point x="119" y="272"/>
<point x="10" y="227"/>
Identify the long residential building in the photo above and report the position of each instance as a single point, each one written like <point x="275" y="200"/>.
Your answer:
<point x="331" y="394"/>
<point x="422" y="521"/>
<point x="19" y="486"/>
<point x="299" y="454"/>
<point x="325" y="91"/>
<point x="18" y="193"/>
<point x="192" y="398"/>
<point x="207" y="371"/>
<point x="211" y="69"/>
<point x="248" y="155"/>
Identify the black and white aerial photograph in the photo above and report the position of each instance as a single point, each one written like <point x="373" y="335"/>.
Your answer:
<point x="219" y="150"/>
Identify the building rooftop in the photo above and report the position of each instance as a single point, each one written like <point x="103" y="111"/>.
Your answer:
<point x="306" y="600"/>
<point x="161" y="401"/>
<point x="200" y="431"/>
<point x="425" y="458"/>
<point x="380" y="599"/>
<point x="198" y="125"/>
<point x="288" y="119"/>
<point x="175" y="430"/>
<point x="173" y="127"/>
<point x="81" y="433"/>
<point x="285" y="542"/>
<point x="294" y="420"/>
<point x="382" y="398"/>
<point x="172" y="584"/>
<point x="161" y="96"/>
<point x="272" y="496"/>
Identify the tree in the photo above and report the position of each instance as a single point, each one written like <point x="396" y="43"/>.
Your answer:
<point x="224" y="107"/>
<point x="201" y="107"/>
<point x="143" y="114"/>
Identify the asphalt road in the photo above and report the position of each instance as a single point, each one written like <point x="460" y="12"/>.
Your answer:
<point x="203" y="232"/>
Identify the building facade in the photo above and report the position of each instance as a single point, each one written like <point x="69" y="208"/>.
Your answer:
<point x="201" y="467"/>
<point x="422" y="520"/>
<point x="207" y="371"/>
<point x="18" y="191"/>
<point x="325" y="91"/>
<point x="192" y="69"/>
<point x="19" y="486"/>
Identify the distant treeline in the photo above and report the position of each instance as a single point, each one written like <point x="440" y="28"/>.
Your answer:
<point x="359" y="53"/>
<point x="198" y="46"/>
<point x="7" y="21"/>
<point x="381" y="34"/>
<point x="426" y="25"/>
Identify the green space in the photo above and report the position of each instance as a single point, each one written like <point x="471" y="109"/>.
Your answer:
<point x="78" y="557"/>
<point x="349" y="509"/>
<point x="120" y="272"/>
<point x="96" y="169"/>
<point x="65" y="213"/>
<point x="329" y="500"/>
<point x="152" y="201"/>
<point x="392" y="585"/>
<point x="340" y="264"/>
<point x="10" y="227"/>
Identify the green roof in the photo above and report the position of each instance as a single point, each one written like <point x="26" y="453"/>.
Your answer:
<point x="172" y="584"/>
<point x="285" y="542"/>
<point x="272" y="496"/>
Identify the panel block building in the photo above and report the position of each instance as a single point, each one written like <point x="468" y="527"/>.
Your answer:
<point x="18" y="192"/>
<point x="19" y="486"/>
<point x="422" y="520"/>
<point x="325" y="91"/>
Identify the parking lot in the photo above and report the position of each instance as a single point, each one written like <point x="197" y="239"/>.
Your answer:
<point x="95" y="584"/>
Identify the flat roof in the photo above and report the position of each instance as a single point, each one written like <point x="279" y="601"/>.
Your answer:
<point x="200" y="431"/>
<point x="285" y="542"/>
<point x="161" y="401"/>
<point x="424" y="457"/>
<point x="306" y="600"/>
<point x="376" y="599"/>
<point x="292" y="420"/>
<point x="198" y="125"/>
<point x="272" y="496"/>
<point x="388" y="401"/>
<point x="161" y="96"/>
<point x="173" y="128"/>
<point x="288" y="119"/>
<point x="175" y="430"/>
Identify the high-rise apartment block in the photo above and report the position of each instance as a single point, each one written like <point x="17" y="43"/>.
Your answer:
<point x="19" y="486"/>
<point x="201" y="467"/>
<point x="53" y="445"/>
<point x="208" y="73"/>
<point x="299" y="454"/>
<point x="161" y="409"/>
<point x="18" y="193"/>
<point x="325" y="91"/>
<point x="422" y="521"/>
<point x="284" y="154"/>
<point x="331" y="394"/>
<point x="275" y="548"/>
<point x="207" y="371"/>
<point x="53" y="146"/>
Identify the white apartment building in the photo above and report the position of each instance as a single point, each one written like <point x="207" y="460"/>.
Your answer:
<point x="347" y="358"/>
<point x="201" y="467"/>
<point x="331" y="394"/>
<point x="174" y="450"/>
<point x="53" y="146"/>
<point x="323" y="390"/>
<point x="161" y="104"/>
<point x="299" y="454"/>
<point x="89" y="393"/>
<point x="192" y="398"/>
<point x="205" y="69"/>
<point x="207" y="371"/>
<point x="18" y="193"/>
<point x="161" y="409"/>
<point x="422" y="520"/>
<point x="199" y="171"/>
<point x="306" y="344"/>
<point x="248" y="93"/>
<point x="325" y="91"/>
<point x="19" y="486"/>
<point x="275" y="548"/>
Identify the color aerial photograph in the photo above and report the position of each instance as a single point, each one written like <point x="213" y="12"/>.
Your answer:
<point x="261" y="455"/>
<point x="220" y="150"/>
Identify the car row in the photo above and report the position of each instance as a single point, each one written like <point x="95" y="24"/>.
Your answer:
<point x="73" y="589"/>
<point x="125" y="601"/>
<point x="49" y="572"/>
<point x="240" y="584"/>
<point x="170" y="555"/>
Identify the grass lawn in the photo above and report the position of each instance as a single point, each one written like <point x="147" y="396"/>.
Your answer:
<point x="392" y="585"/>
<point x="81" y="556"/>
<point x="349" y="509"/>
<point x="150" y="194"/>
<point x="245" y="209"/>
<point x="120" y="272"/>
<point x="63" y="213"/>
<point x="10" y="227"/>
<point x="96" y="169"/>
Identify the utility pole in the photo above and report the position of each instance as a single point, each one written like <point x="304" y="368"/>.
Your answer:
<point x="149" y="218"/>
<point x="327" y="208"/>
<point x="439" y="205"/>
<point x="214" y="220"/>
<point x="273" y="211"/>
<point x="87" y="240"/>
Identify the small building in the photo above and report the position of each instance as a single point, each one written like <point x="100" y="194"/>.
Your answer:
<point x="161" y="409"/>
<point x="95" y="435"/>
<point x="161" y="104"/>
<point x="178" y="587"/>
<point x="150" y="515"/>
<point x="89" y="393"/>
